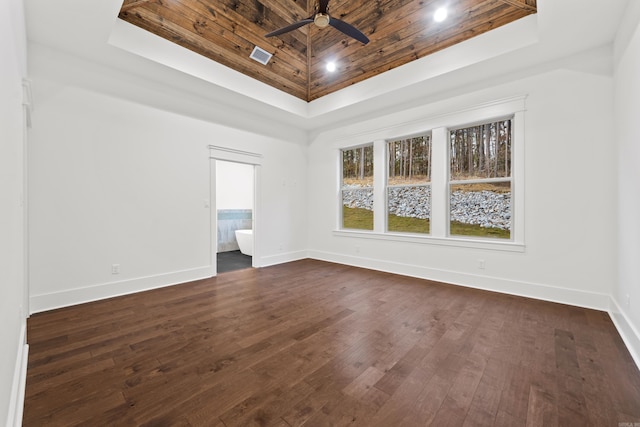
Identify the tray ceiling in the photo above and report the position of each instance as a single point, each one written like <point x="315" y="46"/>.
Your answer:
<point x="400" y="31"/>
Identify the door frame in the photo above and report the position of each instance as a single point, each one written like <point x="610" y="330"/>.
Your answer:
<point x="234" y="156"/>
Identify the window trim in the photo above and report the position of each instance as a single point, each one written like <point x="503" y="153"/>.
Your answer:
<point x="453" y="241"/>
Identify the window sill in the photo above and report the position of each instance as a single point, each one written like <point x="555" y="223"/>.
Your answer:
<point x="507" y="246"/>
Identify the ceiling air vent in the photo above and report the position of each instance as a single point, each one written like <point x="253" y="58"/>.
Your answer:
<point x="260" y="55"/>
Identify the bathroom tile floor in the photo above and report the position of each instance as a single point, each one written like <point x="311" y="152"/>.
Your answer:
<point x="233" y="260"/>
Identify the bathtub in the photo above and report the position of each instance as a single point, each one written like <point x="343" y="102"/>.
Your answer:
<point x="245" y="241"/>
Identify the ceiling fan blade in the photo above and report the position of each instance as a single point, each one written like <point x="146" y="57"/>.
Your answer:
<point x="322" y="6"/>
<point x="349" y="30"/>
<point x="290" y="27"/>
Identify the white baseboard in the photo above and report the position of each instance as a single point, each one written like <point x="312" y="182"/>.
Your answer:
<point x="69" y="297"/>
<point x="574" y="297"/>
<point x="630" y="335"/>
<point x="596" y="301"/>
<point x="16" y="404"/>
<point x="281" y="258"/>
<point x="44" y="302"/>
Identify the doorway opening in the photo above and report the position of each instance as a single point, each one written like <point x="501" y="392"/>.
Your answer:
<point x="235" y="211"/>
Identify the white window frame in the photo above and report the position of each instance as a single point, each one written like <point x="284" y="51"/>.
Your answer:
<point x="438" y="125"/>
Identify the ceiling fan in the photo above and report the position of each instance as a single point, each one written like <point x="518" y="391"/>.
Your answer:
<point x="322" y="19"/>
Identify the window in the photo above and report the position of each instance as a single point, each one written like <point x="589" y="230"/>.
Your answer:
<point x="480" y="180"/>
<point x="409" y="185"/>
<point x="457" y="180"/>
<point x="357" y="188"/>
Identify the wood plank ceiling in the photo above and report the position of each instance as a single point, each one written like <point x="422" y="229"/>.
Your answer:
<point x="400" y="31"/>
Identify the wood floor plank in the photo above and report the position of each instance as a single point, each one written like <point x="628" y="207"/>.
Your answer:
<point x="429" y="402"/>
<point x="542" y="408"/>
<point x="458" y="400"/>
<point x="484" y="406"/>
<point x="314" y="343"/>
<point x="572" y="408"/>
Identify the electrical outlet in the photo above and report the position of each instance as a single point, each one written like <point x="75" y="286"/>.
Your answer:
<point x="481" y="264"/>
<point x="627" y="300"/>
<point x="115" y="268"/>
<point x="357" y="249"/>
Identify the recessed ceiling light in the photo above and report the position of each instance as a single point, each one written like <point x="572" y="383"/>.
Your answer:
<point x="331" y="66"/>
<point x="440" y="15"/>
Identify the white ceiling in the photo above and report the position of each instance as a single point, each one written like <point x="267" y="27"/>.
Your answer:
<point x="89" y="29"/>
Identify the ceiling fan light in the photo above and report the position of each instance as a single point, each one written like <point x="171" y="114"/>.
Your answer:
<point x="321" y="20"/>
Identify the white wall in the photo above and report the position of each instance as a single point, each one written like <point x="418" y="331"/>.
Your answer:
<point x="12" y="225"/>
<point x="626" y="294"/>
<point x="118" y="182"/>
<point x="570" y="211"/>
<point x="234" y="185"/>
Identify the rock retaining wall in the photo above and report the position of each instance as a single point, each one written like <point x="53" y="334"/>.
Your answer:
<point x="484" y="208"/>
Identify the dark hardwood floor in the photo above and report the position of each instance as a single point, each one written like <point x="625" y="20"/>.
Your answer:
<point x="315" y="343"/>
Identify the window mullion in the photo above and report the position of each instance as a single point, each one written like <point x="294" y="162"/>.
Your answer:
<point x="439" y="179"/>
<point x="379" y="184"/>
<point x="517" y="169"/>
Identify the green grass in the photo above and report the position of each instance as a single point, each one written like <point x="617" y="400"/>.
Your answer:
<point x="460" y="229"/>
<point x="357" y="218"/>
<point x="405" y="224"/>
<point x="362" y="219"/>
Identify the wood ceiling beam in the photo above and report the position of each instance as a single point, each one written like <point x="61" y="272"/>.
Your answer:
<point x="520" y="5"/>
<point x="133" y="3"/>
